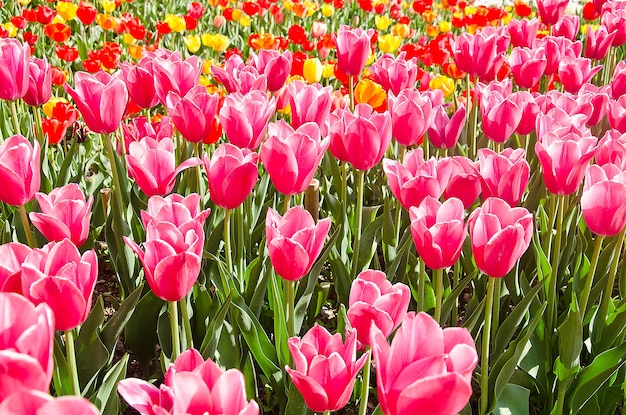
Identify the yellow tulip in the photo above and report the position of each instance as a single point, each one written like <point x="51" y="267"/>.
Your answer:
<point x="192" y="42"/>
<point x="176" y="23"/>
<point x="58" y="19"/>
<point x="24" y="2"/>
<point x="443" y="83"/>
<point x="135" y="51"/>
<point x="328" y="70"/>
<point x="327" y="10"/>
<point x="432" y="31"/>
<point x="382" y="22"/>
<point x="108" y="5"/>
<point x="401" y="30"/>
<point x="67" y="10"/>
<point x="245" y="20"/>
<point x="206" y="66"/>
<point x="445" y="26"/>
<point x="312" y="70"/>
<point x="128" y="39"/>
<point x="237" y="15"/>
<point x="369" y="92"/>
<point x="10" y="28"/>
<point x="204" y="81"/>
<point x="389" y="43"/>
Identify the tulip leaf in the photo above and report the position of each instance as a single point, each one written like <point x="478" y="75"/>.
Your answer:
<point x="113" y="328"/>
<point x="341" y="277"/>
<point x="514" y="400"/>
<point x="295" y="403"/>
<point x="611" y="333"/>
<point x="91" y="353"/>
<point x="277" y="301"/>
<point x="394" y="267"/>
<point x="377" y="411"/>
<point x="570" y="338"/>
<point x="61" y="377"/>
<point x="389" y="235"/>
<point x="65" y="171"/>
<point x="451" y="300"/>
<point x="140" y="332"/>
<point x="259" y="200"/>
<point x="258" y="298"/>
<point x="214" y="330"/>
<point x="369" y="237"/>
<point x="106" y="399"/>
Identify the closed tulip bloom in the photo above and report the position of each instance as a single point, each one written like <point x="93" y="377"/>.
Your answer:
<point x="598" y="43"/>
<point x="500" y="116"/>
<point x="39" y="82"/>
<point x="360" y="138"/>
<point x="59" y="276"/>
<point x="291" y="157"/>
<point x="244" y="118"/>
<point x="26" y="344"/>
<point x="140" y="127"/>
<point x="101" y="99"/>
<point x="573" y="73"/>
<point x="603" y="202"/>
<point x="191" y="386"/>
<point x="528" y="65"/>
<point x="309" y="103"/>
<point x="438" y="231"/>
<point x="32" y="402"/>
<point x="194" y="113"/>
<point x="353" y="49"/>
<point x="567" y="27"/>
<point x="152" y="164"/>
<point x="374" y="301"/>
<point x="232" y="173"/>
<point x="597" y="99"/>
<point x="12" y="255"/>
<point x="504" y="175"/>
<point x="475" y="54"/>
<point x="139" y="81"/>
<point x="411" y="116"/>
<point x="444" y="131"/>
<point x="14" y="71"/>
<point x="64" y="214"/>
<point x="551" y="11"/>
<point x="235" y="73"/>
<point x="294" y="241"/>
<point x="530" y="109"/>
<point x="19" y="170"/>
<point x="325" y="368"/>
<point x="395" y="74"/>
<point x="617" y="114"/>
<point x="523" y="32"/>
<point x="182" y="211"/>
<point x="612" y="149"/>
<point x="613" y="18"/>
<point x="618" y="82"/>
<point x="556" y="48"/>
<point x="425" y="370"/>
<point x="273" y="64"/>
<point x="175" y="74"/>
<point x="416" y="178"/>
<point x="500" y="235"/>
<point x="465" y="181"/>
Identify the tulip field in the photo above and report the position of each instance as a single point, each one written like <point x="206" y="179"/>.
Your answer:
<point x="243" y="207"/>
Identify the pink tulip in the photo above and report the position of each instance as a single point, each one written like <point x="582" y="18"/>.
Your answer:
<point x="551" y="11"/>
<point x="40" y="82"/>
<point x="26" y="345"/>
<point x="191" y="386"/>
<point x="465" y="181"/>
<point x="139" y="81"/>
<point x="612" y="149"/>
<point x="353" y="49"/>
<point x="140" y="127"/>
<point x="101" y="99"/>
<point x="617" y="114"/>
<point x="294" y="241"/>
<point x="438" y="231"/>
<point x="19" y="170"/>
<point x="395" y="73"/>
<point x="530" y="109"/>
<point x="523" y="32"/>
<point x="425" y="370"/>
<point x="309" y="103"/>
<point x="567" y="27"/>
<point x="31" y="402"/>
<point x="194" y="113"/>
<point x="244" y="118"/>
<point x="236" y="76"/>
<point x="475" y="54"/>
<point x="444" y="131"/>
<point x="375" y="302"/>
<point x="273" y="64"/>
<point x="12" y="256"/>
<point x="603" y="202"/>
<point x="173" y="247"/>
<point x="411" y="116"/>
<point x="598" y="42"/>
<point x="325" y="368"/>
<point x="528" y="65"/>
<point x="291" y="157"/>
<point x="573" y="73"/>
<point x="500" y="115"/>
<point x="597" y="99"/>
<point x="618" y="82"/>
<point x="232" y="173"/>
<point x="613" y="18"/>
<point x="556" y="48"/>
<point x="417" y="178"/>
<point x="59" y="276"/>
<point x="504" y="175"/>
<point x="172" y="73"/>
<point x="64" y="214"/>
<point x="152" y="165"/>
<point x="360" y="138"/>
<point x="500" y="235"/>
<point x="14" y="69"/>
<point x="318" y="29"/>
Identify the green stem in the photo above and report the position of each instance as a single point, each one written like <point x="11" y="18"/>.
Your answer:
<point x="16" y="123"/>
<point x="290" y="299"/>
<point x="556" y="256"/>
<point x="495" y="324"/>
<point x="38" y="127"/>
<point x="608" y="290"/>
<point x="421" y="285"/>
<point x="438" y="293"/>
<point x="114" y="173"/>
<point x="30" y="238"/>
<point x="197" y="169"/>
<point x="365" y="385"/>
<point x="351" y="88"/>
<point x="344" y="185"/>
<point x="584" y="299"/>
<point x="71" y="361"/>
<point x="560" y="399"/>
<point x="227" y="248"/>
<point x="484" y="357"/>
<point x="286" y="203"/>
<point x="455" y="282"/>
<point x="186" y="323"/>
<point x="326" y="412"/>
<point x="174" y="328"/>
<point x="241" y="273"/>
<point x="358" y="221"/>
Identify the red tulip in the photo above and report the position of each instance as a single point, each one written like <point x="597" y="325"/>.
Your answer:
<point x="294" y="241"/>
<point x="274" y="65"/>
<point x="26" y="345"/>
<point x="325" y="368"/>
<point x="395" y="73"/>
<point x="438" y="231"/>
<point x="603" y="201"/>
<point x="19" y="170"/>
<point x="31" y="402"/>
<point x="40" y="82"/>
<point x="504" y="175"/>
<point x="353" y="49"/>
<point x="12" y="256"/>
<point x="14" y="70"/>
<point x="194" y="113"/>
<point x="64" y="214"/>
<point x="191" y="386"/>
<point x="425" y="369"/>
<point x="375" y="302"/>
<point x="500" y="235"/>
<point x="244" y="118"/>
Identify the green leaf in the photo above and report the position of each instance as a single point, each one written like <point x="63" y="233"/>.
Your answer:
<point x="213" y="332"/>
<point x="341" y="277"/>
<point x="106" y="399"/>
<point x="140" y="332"/>
<point x="277" y="304"/>
<point x="91" y="354"/>
<point x="570" y="338"/>
<point x="295" y="403"/>
<point x="451" y="299"/>
<point x="514" y="400"/>
<point x="61" y="377"/>
<point x="65" y="171"/>
<point x="369" y="242"/>
<point x="113" y="328"/>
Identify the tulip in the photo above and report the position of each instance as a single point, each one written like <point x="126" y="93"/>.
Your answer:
<point x="618" y="82"/>
<point x="444" y="131"/>
<point x="573" y="73"/>
<point x="504" y="175"/>
<point x="551" y="11"/>
<point x="232" y="173"/>
<point x="183" y="212"/>
<point x="228" y="76"/>
<point x="274" y="65"/>
<point x="556" y="48"/>
<point x="612" y="149"/>
<point x="375" y="302"/>
<point x="59" y="276"/>
<point x="528" y="65"/>
<point x="438" y="231"/>
<point x="64" y="214"/>
<point x="291" y="157"/>
<point x="596" y="98"/>
<point x="30" y="402"/>
<point x="244" y="118"/>
<point x="19" y="170"/>
<point x="395" y="74"/>
<point x="353" y="49"/>
<point x="172" y="73"/>
<point x="294" y="241"/>
<point x="192" y="385"/>
<point x="465" y="181"/>
<point x="500" y="235"/>
<point x="12" y="255"/>
<point x="309" y="103"/>
<point x="613" y="19"/>
<point x="40" y="82"/>
<point x="152" y="165"/>
<point x="617" y="114"/>
<point x="101" y="99"/>
<point x="530" y="109"/>
<point x="140" y="127"/>
<point x="325" y="368"/>
<point x="139" y="81"/>
<point x="475" y="54"/>
<point x="567" y="27"/>
<point x="603" y="202"/>
<point x="14" y="69"/>
<point x="194" y="113"/>
<point x="598" y="43"/>
<point x="425" y="369"/>
<point x="523" y="32"/>
<point x="312" y="70"/>
<point x="360" y="138"/>
<point x="410" y="116"/>
<point x="500" y="115"/>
